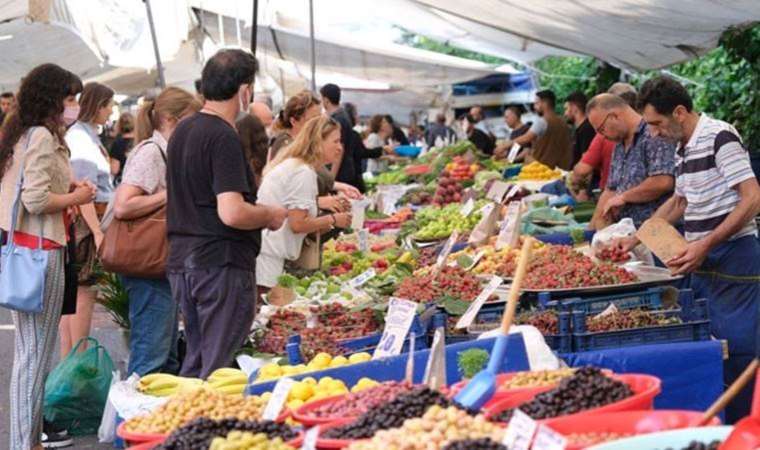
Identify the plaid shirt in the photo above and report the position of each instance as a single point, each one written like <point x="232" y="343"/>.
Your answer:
<point x="647" y="157"/>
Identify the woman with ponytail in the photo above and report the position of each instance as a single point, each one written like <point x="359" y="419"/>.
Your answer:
<point x="152" y="311"/>
<point x="297" y="111"/>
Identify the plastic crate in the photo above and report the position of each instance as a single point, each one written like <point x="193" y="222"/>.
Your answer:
<point x="649" y="299"/>
<point x="695" y="327"/>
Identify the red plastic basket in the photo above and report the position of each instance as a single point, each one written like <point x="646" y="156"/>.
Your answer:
<point x="625" y="423"/>
<point x="131" y="438"/>
<point x="304" y="414"/>
<point x="147" y="445"/>
<point x="645" y="388"/>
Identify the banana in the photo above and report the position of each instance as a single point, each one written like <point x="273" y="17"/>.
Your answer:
<point x="239" y="379"/>
<point x="147" y="379"/>
<point x="234" y="389"/>
<point x="224" y="372"/>
<point x="166" y="392"/>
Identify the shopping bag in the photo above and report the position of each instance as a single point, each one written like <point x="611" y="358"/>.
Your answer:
<point x="77" y="389"/>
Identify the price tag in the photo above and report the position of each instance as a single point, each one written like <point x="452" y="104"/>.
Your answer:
<point x="363" y="236"/>
<point x="512" y="192"/>
<point x="279" y="395"/>
<point x="520" y="431"/>
<point x="486" y="209"/>
<point x="446" y="251"/>
<point x="397" y="322"/>
<point x="476" y="304"/>
<point x="358" y="209"/>
<point x="497" y="191"/>
<point x="513" y="153"/>
<point x="548" y="439"/>
<point x="310" y="439"/>
<point x="611" y="309"/>
<point x="362" y="278"/>
<point x="510" y="227"/>
<point x="467" y="208"/>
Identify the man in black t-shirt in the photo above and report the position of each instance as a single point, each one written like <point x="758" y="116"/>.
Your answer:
<point x="575" y="112"/>
<point x="213" y="222"/>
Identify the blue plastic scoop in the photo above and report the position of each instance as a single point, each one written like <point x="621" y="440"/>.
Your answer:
<point x="483" y="385"/>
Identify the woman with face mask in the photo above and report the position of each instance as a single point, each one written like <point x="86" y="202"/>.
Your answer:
<point x="33" y="143"/>
<point x="89" y="162"/>
<point x="290" y="181"/>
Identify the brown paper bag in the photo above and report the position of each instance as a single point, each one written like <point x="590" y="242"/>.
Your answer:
<point x="661" y="238"/>
<point x="280" y="296"/>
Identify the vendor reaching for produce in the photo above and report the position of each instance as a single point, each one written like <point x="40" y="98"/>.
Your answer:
<point x="718" y="197"/>
<point x="642" y="168"/>
<point x="290" y="180"/>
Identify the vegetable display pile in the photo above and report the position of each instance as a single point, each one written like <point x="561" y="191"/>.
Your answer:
<point x="451" y="281"/>
<point x="614" y="254"/>
<point x="624" y="320"/>
<point x="502" y="262"/>
<point x="358" y="403"/>
<point x="593" y="438"/>
<point x="539" y="378"/>
<point x="475" y="444"/>
<point x="546" y="321"/>
<point x="561" y="267"/>
<point x="438" y="427"/>
<point x="389" y="415"/>
<point x="588" y="388"/>
<point x="199" y="433"/>
<point x="439" y="223"/>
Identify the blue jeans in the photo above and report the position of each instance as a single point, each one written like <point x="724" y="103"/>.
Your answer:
<point x="153" y="321"/>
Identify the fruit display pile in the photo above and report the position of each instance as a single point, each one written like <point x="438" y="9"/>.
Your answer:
<point x="475" y="444"/>
<point x="624" y="320"/>
<point x="460" y="170"/>
<point x="389" y="415"/>
<point x="539" y="378"/>
<point x="392" y="177"/>
<point x="546" y="321"/>
<point x="438" y="223"/>
<point x="451" y="281"/>
<point x="448" y="191"/>
<point x="614" y="254"/>
<point x="334" y="322"/>
<point x="199" y="433"/>
<point x="165" y="385"/>
<point x="593" y="438"/>
<point x="502" y="262"/>
<point x="588" y="388"/>
<point x="536" y="171"/>
<point x="561" y="267"/>
<point x="239" y="440"/>
<point x="320" y="361"/>
<point x="309" y="390"/>
<point x="202" y="402"/>
<point x="439" y="426"/>
<point x="358" y="403"/>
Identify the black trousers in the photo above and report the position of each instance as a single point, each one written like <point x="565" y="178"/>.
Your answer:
<point x="218" y="306"/>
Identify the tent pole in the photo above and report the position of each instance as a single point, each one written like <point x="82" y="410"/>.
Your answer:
<point x="255" y="26"/>
<point x="159" y="66"/>
<point x="313" y="51"/>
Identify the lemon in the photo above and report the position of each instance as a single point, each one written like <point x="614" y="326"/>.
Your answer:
<point x="295" y="404"/>
<point x="334" y="392"/>
<point x="319" y="395"/>
<point x="301" y="368"/>
<point x="325" y="381"/>
<point x="322" y="360"/>
<point x="339" y="361"/>
<point x="301" y="391"/>
<point x="335" y="385"/>
<point x="270" y="370"/>
<point x="288" y="370"/>
<point x="309" y="380"/>
<point x="359" y="357"/>
<point x="266" y="396"/>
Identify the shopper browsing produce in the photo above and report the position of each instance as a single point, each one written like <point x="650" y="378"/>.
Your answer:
<point x="213" y="221"/>
<point x="717" y="196"/>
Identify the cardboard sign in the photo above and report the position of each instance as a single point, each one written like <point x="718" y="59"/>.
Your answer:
<point x="497" y="191"/>
<point x="486" y="227"/>
<point x="513" y="152"/>
<point x="279" y="395"/>
<point x="520" y="431"/>
<point x="362" y="278"/>
<point x="661" y="238"/>
<point x="363" y="238"/>
<point x="467" y="208"/>
<point x="397" y="322"/>
<point x="446" y="251"/>
<point x="510" y="227"/>
<point x="548" y="439"/>
<point x="476" y="304"/>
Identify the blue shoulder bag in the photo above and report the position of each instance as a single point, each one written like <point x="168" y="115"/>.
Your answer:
<point x="22" y="270"/>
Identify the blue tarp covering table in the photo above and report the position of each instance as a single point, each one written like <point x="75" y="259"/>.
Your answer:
<point x="691" y="372"/>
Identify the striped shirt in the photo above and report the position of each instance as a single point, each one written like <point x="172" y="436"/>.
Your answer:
<point x="708" y="168"/>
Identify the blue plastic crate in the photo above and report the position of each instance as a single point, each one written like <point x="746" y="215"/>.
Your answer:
<point x="648" y="299"/>
<point x="695" y="327"/>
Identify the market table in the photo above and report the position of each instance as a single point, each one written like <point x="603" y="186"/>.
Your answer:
<point x="691" y="372"/>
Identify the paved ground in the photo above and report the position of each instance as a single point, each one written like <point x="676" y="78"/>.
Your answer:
<point x="103" y="329"/>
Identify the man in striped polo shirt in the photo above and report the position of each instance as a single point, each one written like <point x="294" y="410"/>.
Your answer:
<point x="718" y="196"/>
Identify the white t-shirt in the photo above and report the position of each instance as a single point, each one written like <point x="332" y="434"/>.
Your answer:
<point x="539" y="126"/>
<point x="89" y="161"/>
<point x="373" y="141"/>
<point x="292" y="184"/>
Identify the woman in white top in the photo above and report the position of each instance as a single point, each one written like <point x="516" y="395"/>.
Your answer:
<point x="380" y="130"/>
<point x="290" y="180"/>
<point x="152" y="311"/>
<point x="89" y="162"/>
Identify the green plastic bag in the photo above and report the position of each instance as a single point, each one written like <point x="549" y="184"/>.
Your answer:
<point x="77" y="389"/>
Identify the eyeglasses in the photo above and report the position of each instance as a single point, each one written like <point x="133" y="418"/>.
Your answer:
<point x="600" y="130"/>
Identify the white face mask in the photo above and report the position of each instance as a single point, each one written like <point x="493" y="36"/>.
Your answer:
<point x="70" y="114"/>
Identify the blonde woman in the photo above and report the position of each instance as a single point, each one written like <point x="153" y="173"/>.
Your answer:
<point x="290" y="181"/>
<point x="152" y="311"/>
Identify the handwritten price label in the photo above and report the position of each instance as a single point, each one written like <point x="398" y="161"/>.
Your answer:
<point x="476" y="304"/>
<point x="467" y="208"/>
<point x="520" y="431"/>
<point x="279" y="395"/>
<point x="363" y="235"/>
<point x="548" y="439"/>
<point x="446" y="251"/>
<point x="397" y="322"/>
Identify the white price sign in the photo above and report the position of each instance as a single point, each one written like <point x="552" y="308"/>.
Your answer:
<point x="476" y="304"/>
<point x="362" y="278"/>
<point x="520" y="431"/>
<point x="310" y="439"/>
<point x="548" y="439"/>
<point x="510" y="227"/>
<point x="497" y="191"/>
<point x="513" y="153"/>
<point x="467" y="208"/>
<point x="279" y="396"/>
<point x="363" y="236"/>
<point x="446" y="249"/>
<point x="397" y="322"/>
<point x="512" y="191"/>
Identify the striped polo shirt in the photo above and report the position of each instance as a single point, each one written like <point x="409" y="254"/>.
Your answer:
<point x="708" y="167"/>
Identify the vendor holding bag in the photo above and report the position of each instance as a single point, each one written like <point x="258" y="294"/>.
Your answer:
<point x="37" y="183"/>
<point x="290" y="180"/>
<point x="152" y="311"/>
<point x="718" y="197"/>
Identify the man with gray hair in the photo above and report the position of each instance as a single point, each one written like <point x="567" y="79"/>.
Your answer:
<point x="625" y="91"/>
<point x="642" y="168"/>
